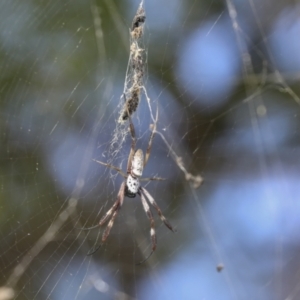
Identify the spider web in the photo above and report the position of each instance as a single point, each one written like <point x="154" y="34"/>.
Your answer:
<point x="224" y="77"/>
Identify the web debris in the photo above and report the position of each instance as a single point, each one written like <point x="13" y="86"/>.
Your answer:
<point x="134" y="80"/>
<point x="136" y="65"/>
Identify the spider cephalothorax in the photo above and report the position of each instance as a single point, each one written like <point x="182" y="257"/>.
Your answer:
<point x="131" y="187"/>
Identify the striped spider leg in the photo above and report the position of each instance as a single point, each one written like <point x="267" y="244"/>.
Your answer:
<point x="131" y="187"/>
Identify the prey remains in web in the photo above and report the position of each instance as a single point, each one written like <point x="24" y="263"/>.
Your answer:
<point x="131" y="187"/>
<point x="134" y="80"/>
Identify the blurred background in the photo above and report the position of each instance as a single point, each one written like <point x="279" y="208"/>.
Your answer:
<point x="225" y="78"/>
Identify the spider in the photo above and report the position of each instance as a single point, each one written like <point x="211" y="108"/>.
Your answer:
<point x="131" y="187"/>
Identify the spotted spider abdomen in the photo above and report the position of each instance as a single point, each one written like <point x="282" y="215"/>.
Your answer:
<point x="137" y="165"/>
<point x="132" y="186"/>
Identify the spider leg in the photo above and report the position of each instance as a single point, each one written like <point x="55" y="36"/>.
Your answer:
<point x="133" y="138"/>
<point x="152" y="224"/>
<point x="116" y="207"/>
<point x="112" y="167"/>
<point x="110" y="224"/>
<point x="152" y="178"/>
<point x="94" y="250"/>
<point x="112" y="211"/>
<point x="159" y="212"/>
<point x="104" y="219"/>
<point x="107" y="229"/>
<point x="151" y="138"/>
